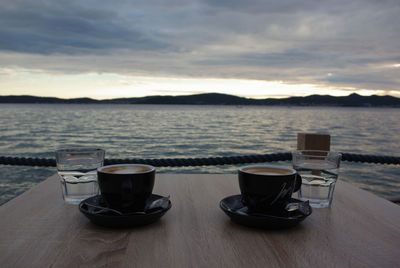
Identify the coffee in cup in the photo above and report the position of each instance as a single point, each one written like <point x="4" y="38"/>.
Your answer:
<point x="126" y="187"/>
<point x="267" y="187"/>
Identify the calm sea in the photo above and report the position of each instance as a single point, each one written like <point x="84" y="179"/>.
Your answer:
<point x="175" y="131"/>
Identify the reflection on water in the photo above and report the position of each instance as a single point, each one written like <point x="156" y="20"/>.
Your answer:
<point x="173" y="131"/>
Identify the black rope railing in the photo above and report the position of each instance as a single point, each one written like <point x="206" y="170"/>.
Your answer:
<point x="210" y="161"/>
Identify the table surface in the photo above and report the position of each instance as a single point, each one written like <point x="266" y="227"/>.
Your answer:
<point x="38" y="230"/>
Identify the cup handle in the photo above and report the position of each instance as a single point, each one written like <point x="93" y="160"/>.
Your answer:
<point x="297" y="183"/>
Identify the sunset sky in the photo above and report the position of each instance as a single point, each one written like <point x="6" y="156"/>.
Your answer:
<point x="257" y="48"/>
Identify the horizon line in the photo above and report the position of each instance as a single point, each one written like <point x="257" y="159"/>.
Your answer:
<point x="206" y="93"/>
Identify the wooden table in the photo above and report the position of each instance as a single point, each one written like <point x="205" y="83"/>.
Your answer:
<point x="38" y="230"/>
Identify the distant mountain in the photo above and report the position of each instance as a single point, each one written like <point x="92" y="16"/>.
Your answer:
<point x="353" y="100"/>
<point x="33" y="99"/>
<point x="199" y="99"/>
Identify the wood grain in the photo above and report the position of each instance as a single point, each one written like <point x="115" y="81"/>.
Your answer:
<point x="38" y="230"/>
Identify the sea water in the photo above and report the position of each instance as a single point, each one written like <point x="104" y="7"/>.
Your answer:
<point x="191" y="131"/>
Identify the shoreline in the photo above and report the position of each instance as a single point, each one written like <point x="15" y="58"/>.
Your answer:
<point x="352" y="100"/>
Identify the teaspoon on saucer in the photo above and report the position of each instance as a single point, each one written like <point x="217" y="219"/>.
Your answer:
<point x="302" y="207"/>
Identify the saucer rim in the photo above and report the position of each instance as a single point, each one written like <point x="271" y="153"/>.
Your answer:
<point x="129" y="214"/>
<point x="125" y="221"/>
<point x="261" y="221"/>
<point x="261" y="214"/>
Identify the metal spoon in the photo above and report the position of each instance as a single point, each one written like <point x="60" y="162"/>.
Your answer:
<point x="302" y="207"/>
<point x="97" y="209"/>
<point x="162" y="202"/>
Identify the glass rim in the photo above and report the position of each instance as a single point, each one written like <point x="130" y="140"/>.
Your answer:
<point x="317" y="153"/>
<point x="78" y="149"/>
<point x="321" y="151"/>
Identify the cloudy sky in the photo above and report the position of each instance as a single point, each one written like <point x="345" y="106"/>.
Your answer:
<point x="255" y="48"/>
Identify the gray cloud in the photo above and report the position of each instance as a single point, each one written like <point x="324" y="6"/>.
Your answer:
<point x="48" y="29"/>
<point x="291" y="41"/>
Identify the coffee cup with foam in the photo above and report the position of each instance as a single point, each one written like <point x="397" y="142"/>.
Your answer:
<point x="267" y="187"/>
<point x="126" y="187"/>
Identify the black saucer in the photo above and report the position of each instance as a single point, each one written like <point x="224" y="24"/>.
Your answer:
<point x="95" y="209"/>
<point x="234" y="208"/>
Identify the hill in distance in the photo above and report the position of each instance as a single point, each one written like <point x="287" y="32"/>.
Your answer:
<point x="353" y="100"/>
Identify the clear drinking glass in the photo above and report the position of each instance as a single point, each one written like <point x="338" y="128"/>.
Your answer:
<point x="77" y="169"/>
<point x="319" y="171"/>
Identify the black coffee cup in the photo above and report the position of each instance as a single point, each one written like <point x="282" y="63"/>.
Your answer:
<point x="266" y="187"/>
<point x="126" y="187"/>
